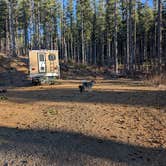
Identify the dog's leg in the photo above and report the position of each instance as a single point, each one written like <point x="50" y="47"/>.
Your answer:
<point x="81" y="88"/>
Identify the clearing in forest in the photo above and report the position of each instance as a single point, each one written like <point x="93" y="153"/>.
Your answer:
<point x="121" y="122"/>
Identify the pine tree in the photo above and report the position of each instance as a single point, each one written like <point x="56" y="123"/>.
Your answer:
<point x="101" y="29"/>
<point x="11" y="10"/>
<point x="115" y="37"/>
<point x="159" y="45"/>
<point x="84" y="25"/>
<point x="123" y="34"/>
<point x="70" y="29"/>
<point x="110" y="25"/>
<point x="4" y="31"/>
<point x="23" y="23"/>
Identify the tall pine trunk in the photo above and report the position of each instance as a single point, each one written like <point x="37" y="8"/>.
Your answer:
<point x="82" y="39"/>
<point x="159" y="43"/>
<point x="135" y="37"/>
<point x="130" y="37"/>
<point x="115" y="38"/>
<point x="128" y="41"/>
<point x="11" y="29"/>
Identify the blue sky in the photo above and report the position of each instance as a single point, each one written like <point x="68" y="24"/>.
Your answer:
<point x="150" y="2"/>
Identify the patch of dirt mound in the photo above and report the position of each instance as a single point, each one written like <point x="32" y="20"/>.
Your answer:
<point x="80" y="71"/>
<point x="13" y="70"/>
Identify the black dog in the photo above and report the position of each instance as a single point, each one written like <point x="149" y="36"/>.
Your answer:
<point x="81" y="88"/>
<point x="86" y="86"/>
<point x="3" y="91"/>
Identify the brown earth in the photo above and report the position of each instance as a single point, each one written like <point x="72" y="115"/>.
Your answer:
<point x="13" y="71"/>
<point x="120" y="123"/>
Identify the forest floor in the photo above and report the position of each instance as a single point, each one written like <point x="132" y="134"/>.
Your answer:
<point x="122" y="122"/>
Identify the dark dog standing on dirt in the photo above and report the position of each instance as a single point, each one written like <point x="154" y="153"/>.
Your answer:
<point x="3" y="90"/>
<point x="86" y="86"/>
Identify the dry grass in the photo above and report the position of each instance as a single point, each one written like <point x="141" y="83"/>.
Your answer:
<point x="156" y="80"/>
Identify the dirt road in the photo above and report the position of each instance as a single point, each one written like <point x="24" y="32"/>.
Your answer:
<point x="119" y="123"/>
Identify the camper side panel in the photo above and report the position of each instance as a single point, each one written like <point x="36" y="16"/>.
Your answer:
<point x="33" y="63"/>
<point x="52" y="66"/>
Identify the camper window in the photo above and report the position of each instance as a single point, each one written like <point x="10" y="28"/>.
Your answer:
<point x="41" y="57"/>
<point x="51" y="57"/>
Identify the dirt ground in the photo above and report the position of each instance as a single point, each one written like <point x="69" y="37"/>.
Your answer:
<point x="119" y="123"/>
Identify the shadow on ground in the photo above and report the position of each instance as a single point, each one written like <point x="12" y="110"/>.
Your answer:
<point x="69" y="148"/>
<point x="129" y="97"/>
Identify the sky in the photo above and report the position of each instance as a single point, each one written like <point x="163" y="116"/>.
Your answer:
<point x="150" y="2"/>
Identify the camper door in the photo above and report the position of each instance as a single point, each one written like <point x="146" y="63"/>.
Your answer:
<point x="42" y="62"/>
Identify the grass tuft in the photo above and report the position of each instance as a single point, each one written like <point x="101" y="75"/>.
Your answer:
<point x="2" y="98"/>
<point x="50" y="112"/>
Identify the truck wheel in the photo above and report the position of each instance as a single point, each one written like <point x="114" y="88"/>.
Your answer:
<point x="36" y="82"/>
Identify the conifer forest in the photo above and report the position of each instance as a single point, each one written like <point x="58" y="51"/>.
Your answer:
<point x="126" y="35"/>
